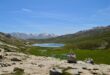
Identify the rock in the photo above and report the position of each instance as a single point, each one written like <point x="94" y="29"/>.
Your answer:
<point x="80" y="72"/>
<point x="80" y="62"/>
<point x="71" y="58"/>
<point x="13" y="63"/>
<point x="96" y="72"/>
<point x="72" y="72"/>
<point x="15" y="59"/>
<point x="85" y="68"/>
<point x="40" y="65"/>
<point x="21" y="63"/>
<point x="95" y="69"/>
<point x="18" y="69"/>
<point x="1" y="57"/>
<point x="4" y="64"/>
<point x="55" y="71"/>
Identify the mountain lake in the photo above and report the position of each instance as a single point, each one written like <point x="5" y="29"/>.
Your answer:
<point x="49" y="45"/>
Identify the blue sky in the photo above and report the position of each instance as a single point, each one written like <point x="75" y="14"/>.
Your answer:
<point x="53" y="16"/>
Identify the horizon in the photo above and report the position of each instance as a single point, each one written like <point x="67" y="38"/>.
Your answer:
<point x="58" y="17"/>
<point x="57" y="34"/>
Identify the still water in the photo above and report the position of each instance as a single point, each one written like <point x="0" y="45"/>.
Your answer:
<point x="49" y="45"/>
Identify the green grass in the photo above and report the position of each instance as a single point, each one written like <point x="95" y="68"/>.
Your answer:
<point x="99" y="56"/>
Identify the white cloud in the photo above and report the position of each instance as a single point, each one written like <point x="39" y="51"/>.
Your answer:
<point x="22" y="10"/>
<point x="26" y="10"/>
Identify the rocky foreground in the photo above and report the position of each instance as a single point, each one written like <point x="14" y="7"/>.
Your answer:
<point x="40" y="65"/>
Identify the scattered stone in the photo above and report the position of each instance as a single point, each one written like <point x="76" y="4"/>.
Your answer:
<point x="74" y="68"/>
<point x="55" y="71"/>
<point x="35" y="64"/>
<point x="1" y="57"/>
<point x="40" y="65"/>
<point x="89" y="60"/>
<point x="21" y="63"/>
<point x="95" y="69"/>
<point x="72" y="72"/>
<point x="85" y="68"/>
<point x="15" y="59"/>
<point x="4" y="64"/>
<point x="18" y="69"/>
<point x="13" y="63"/>
<point x="80" y="72"/>
<point x="71" y="58"/>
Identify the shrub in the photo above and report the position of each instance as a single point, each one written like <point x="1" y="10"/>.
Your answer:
<point x="18" y="71"/>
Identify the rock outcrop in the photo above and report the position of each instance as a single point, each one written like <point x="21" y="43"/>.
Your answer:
<point x="40" y="65"/>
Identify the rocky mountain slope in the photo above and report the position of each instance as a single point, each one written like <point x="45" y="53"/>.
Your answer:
<point x="14" y="63"/>
<point x="8" y="42"/>
<point x="32" y="36"/>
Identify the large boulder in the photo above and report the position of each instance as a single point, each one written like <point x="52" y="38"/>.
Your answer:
<point x="55" y="71"/>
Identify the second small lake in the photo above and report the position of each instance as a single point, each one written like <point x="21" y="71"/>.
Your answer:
<point x="49" y="45"/>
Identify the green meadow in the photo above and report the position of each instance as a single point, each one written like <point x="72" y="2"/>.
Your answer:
<point x="99" y="56"/>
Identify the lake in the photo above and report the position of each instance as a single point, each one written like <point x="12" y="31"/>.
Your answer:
<point x="49" y="45"/>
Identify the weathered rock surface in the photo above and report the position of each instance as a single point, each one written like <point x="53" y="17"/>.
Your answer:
<point x="40" y="65"/>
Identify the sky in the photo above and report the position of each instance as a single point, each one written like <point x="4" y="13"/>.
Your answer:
<point x="53" y="16"/>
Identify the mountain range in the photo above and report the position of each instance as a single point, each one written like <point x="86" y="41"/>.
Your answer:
<point x="95" y="38"/>
<point x="32" y="36"/>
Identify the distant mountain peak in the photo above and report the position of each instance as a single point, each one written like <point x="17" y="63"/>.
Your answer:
<point x="32" y="36"/>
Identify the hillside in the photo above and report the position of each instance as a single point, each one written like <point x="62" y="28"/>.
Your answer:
<point x="96" y="38"/>
<point x="8" y="42"/>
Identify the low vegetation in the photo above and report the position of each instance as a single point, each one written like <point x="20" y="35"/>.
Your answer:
<point x="18" y="71"/>
<point x="99" y="56"/>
